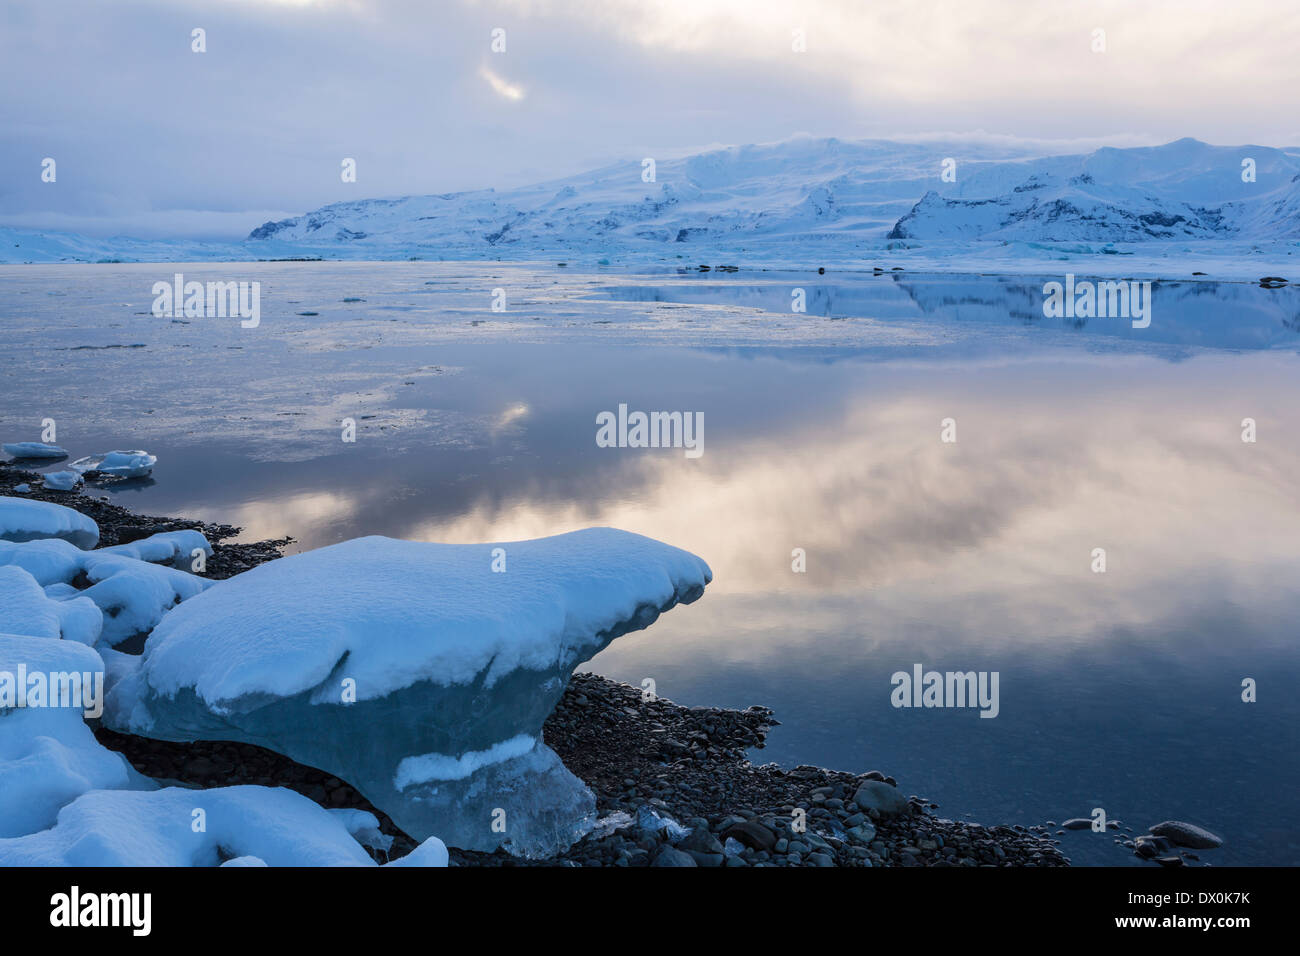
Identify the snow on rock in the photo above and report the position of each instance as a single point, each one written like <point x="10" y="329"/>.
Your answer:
<point x="48" y="755"/>
<point x="119" y="464"/>
<point x="132" y="594"/>
<point x="24" y="520"/>
<point x="33" y="449"/>
<point x="274" y="826"/>
<point x="61" y="480"/>
<point x="27" y="608"/>
<point x="414" y="671"/>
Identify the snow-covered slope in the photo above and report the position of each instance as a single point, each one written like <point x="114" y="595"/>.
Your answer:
<point x="1179" y="191"/>
<point x="801" y="201"/>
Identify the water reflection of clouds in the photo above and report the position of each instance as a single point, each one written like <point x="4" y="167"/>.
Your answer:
<point x="995" y="532"/>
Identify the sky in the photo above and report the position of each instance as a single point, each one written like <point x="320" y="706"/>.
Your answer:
<point x="153" y="139"/>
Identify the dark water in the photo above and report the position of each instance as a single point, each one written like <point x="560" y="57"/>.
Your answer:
<point x="1119" y="690"/>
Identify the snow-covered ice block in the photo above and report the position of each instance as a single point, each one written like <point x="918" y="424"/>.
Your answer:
<point x="48" y="756"/>
<point x="130" y="828"/>
<point x="22" y="519"/>
<point x="119" y="464"/>
<point x="33" y="449"/>
<point x="133" y="595"/>
<point x="61" y="480"/>
<point x="27" y="608"/>
<point x="168" y="547"/>
<point x="414" y="671"/>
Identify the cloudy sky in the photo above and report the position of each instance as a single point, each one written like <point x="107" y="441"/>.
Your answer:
<point x="153" y="139"/>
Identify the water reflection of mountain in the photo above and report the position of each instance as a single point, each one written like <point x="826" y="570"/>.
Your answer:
<point x="1207" y="314"/>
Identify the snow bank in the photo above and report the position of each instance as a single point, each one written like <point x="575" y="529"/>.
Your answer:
<point x="33" y="449"/>
<point x="24" y="520"/>
<point x="27" y="608"/>
<point x="168" y="547"/>
<point x="178" y="827"/>
<point x="411" y="670"/>
<point x="48" y="756"/>
<point x="130" y="594"/>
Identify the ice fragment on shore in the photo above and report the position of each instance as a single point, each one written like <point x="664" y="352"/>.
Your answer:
<point x="413" y="671"/>
<point x="22" y="519"/>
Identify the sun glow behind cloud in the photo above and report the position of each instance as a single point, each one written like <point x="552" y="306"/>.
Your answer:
<point x="501" y="86"/>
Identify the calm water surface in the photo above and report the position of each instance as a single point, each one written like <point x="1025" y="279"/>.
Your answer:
<point x="1119" y="690"/>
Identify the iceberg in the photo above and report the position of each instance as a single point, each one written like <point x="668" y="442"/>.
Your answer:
<point x="22" y="519"/>
<point x="420" y="673"/>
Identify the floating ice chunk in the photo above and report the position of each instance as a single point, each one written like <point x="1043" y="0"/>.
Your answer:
<point x="245" y="861"/>
<point x="23" y="489"/>
<point x="33" y="449"/>
<point x="24" y="520"/>
<point x="61" y="480"/>
<point x="131" y="828"/>
<point x="119" y="464"/>
<point x="48" y="756"/>
<point x="132" y="595"/>
<point x="414" y="671"/>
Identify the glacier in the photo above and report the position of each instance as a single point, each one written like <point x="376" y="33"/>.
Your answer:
<point x="420" y="673"/>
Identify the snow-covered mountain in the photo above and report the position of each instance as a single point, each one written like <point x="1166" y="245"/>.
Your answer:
<point x="804" y="201"/>
<point x="830" y="191"/>
<point x="1182" y="190"/>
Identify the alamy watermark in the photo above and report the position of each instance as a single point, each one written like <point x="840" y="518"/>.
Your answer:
<point x="83" y="690"/>
<point x="1109" y="298"/>
<point x="922" y="688"/>
<point x="210" y="300"/>
<point x="651" y="430"/>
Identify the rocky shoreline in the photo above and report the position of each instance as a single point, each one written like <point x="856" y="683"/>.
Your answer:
<point x="674" y="785"/>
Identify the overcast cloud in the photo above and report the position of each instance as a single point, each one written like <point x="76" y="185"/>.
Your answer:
<point x="152" y="139"/>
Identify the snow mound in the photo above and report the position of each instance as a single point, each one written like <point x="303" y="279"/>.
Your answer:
<point x="414" y="671"/>
<point x="33" y="449"/>
<point x="179" y="827"/>
<point x="132" y="594"/>
<point x="119" y="464"/>
<point x="176" y="548"/>
<point x="48" y="756"/>
<point x="24" y="520"/>
<point x="29" y="609"/>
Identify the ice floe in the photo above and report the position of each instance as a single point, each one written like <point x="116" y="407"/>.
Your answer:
<point x="119" y="464"/>
<point x="33" y="449"/>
